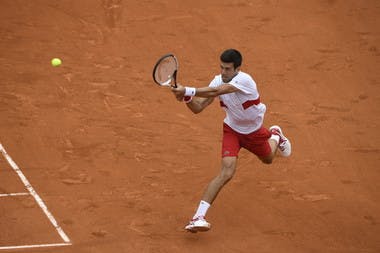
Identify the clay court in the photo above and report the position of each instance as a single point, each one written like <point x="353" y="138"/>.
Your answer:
<point x="121" y="165"/>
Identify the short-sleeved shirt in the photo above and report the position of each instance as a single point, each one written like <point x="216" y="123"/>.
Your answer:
<point x="244" y="111"/>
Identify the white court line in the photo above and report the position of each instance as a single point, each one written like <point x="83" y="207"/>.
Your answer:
<point x="35" y="246"/>
<point x="14" y="194"/>
<point x="39" y="201"/>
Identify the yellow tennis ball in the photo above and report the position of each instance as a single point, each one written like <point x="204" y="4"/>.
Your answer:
<point x="56" y="62"/>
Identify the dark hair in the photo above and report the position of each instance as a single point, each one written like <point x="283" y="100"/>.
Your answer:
<point x="232" y="55"/>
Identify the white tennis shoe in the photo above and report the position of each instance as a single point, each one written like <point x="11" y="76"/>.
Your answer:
<point x="284" y="146"/>
<point x="198" y="224"/>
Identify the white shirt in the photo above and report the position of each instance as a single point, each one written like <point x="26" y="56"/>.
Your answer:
<point x="241" y="120"/>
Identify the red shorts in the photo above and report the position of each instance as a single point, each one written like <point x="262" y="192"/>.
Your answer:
<point x="256" y="142"/>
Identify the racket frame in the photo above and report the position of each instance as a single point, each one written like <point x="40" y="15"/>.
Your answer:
<point x="172" y="77"/>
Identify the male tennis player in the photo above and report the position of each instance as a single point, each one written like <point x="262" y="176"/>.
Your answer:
<point x="242" y="128"/>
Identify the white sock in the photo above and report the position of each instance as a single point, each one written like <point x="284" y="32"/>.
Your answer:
<point x="202" y="209"/>
<point x="275" y="137"/>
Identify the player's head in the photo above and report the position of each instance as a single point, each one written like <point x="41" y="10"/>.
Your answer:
<point x="230" y="62"/>
<point x="231" y="55"/>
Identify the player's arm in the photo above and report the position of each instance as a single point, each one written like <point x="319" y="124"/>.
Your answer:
<point x="204" y="92"/>
<point x="197" y="104"/>
<point x="207" y="92"/>
<point x="202" y="97"/>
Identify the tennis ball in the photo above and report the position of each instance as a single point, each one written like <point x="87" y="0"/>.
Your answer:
<point x="55" y="62"/>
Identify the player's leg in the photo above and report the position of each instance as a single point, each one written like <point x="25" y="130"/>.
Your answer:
<point x="277" y="142"/>
<point x="260" y="143"/>
<point x="273" y="145"/>
<point x="225" y="175"/>
<point x="199" y="223"/>
<point x="230" y="149"/>
<point x="266" y="143"/>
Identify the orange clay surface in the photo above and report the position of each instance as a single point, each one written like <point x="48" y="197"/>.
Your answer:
<point x="122" y="165"/>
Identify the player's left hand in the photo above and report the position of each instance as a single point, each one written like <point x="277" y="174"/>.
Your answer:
<point x="179" y="92"/>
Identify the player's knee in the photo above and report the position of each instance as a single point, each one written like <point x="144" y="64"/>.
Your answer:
<point x="226" y="174"/>
<point x="225" y="177"/>
<point x="228" y="169"/>
<point x="266" y="160"/>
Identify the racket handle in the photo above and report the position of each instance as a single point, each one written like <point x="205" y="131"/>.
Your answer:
<point x="175" y="78"/>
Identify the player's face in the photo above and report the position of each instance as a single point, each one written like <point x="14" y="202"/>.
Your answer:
<point x="228" y="71"/>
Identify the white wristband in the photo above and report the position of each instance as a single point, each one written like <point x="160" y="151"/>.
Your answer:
<point x="190" y="91"/>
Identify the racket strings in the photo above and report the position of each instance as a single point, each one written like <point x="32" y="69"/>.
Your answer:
<point x="165" y="70"/>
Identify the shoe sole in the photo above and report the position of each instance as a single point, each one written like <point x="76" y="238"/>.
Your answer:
<point x="197" y="229"/>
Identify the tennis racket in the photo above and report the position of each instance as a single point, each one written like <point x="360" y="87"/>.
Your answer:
<point x="165" y="71"/>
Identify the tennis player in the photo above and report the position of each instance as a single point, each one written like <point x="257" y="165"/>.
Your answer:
<point x="242" y="128"/>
